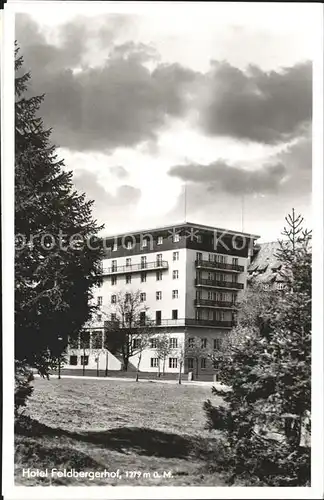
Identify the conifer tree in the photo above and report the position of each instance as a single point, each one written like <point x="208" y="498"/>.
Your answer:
<point x="57" y="249"/>
<point x="267" y="363"/>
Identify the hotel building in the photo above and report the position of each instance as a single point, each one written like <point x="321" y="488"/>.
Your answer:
<point x="190" y="277"/>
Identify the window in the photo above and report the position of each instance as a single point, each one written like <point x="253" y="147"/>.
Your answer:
<point x="113" y="299"/>
<point x="235" y="261"/>
<point x="85" y="339"/>
<point x="84" y="360"/>
<point x="129" y="245"/>
<point x="203" y="363"/>
<point x="143" y="297"/>
<point x="128" y="262"/>
<point x="221" y="258"/>
<point x="175" y="294"/>
<point x="159" y="259"/>
<point x="74" y="343"/>
<point x="198" y="238"/>
<point x="210" y="257"/>
<point x="127" y="297"/>
<point x="128" y="279"/>
<point x="142" y="318"/>
<point x="115" y="246"/>
<point x="203" y="343"/>
<point x="280" y="286"/>
<point x="159" y="276"/>
<point x="158" y="316"/>
<point x="175" y="256"/>
<point x="96" y="339"/>
<point x="160" y="240"/>
<point x="199" y="256"/>
<point x="234" y="278"/>
<point x="144" y="243"/>
<point x="153" y="343"/>
<point x="176" y="237"/>
<point x="136" y="343"/>
<point x="143" y="277"/>
<point x="158" y="295"/>
<point x="220" y="316"/>
<point x="114" y="265"/>
<point x="143" y="261"/>
<point x="114" y="280"/>
<point x="113" y="317"/>
<point x="73" y="360"/>
<point x="217" y="344"/>
<point x="154" y="362"/>
<point x="191" y="342"/>
<point x="175" y="314"/>
<point x="190" y="363"/>
<point x="99" y="301"/>
<point x="175" y="275"/>
<point x="99" y="317"/>
<point x="173" y="343"/>
<point x="173" y="363"/>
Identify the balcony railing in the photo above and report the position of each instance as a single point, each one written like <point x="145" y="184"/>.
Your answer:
<point x="207" y="264"/>
<point x="176" y="322"/>
<point x="215" y="303"/>
<point x="137" y="268"/>
<point x="210" y="322"/>
<point x="219" y="284"/>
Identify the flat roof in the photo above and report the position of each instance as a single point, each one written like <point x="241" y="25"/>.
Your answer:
<point x="182" y="224"/>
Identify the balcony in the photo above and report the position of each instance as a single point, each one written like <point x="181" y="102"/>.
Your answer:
<point x="230" y="285"/>
<point x="215" y="304"/>
<point x="210" y="322"/>
<point x="206" y="264"/>
<point x="182" y="322"/>
<point x="136" y="268"/>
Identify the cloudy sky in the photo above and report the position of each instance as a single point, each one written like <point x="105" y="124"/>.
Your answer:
<point x="143" y="104"/>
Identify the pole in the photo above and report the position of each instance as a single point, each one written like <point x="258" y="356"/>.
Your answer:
<point x="106" y="370"/>
<point x="185" y="202"/>
<point x="180" y="372"/>
<point x="59" y="358"/>
<point x="83" y="364"/>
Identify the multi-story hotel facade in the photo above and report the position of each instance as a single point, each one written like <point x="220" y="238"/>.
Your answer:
<point x="189" y="277"/>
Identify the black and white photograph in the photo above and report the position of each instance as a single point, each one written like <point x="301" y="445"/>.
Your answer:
<point x="163" y="249"/>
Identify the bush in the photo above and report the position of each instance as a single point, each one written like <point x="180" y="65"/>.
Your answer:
<point x="23" y="390"/>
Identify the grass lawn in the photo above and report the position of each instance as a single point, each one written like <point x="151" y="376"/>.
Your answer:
<point x="93" y="425"/>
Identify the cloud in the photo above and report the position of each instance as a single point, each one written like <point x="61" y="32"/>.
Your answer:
<point x="266" y="107"/>
<point x="221" y="177"/>
<point x="123" y="102"/>
<point x="107" y="205"/>
<point x="119" y="171"/>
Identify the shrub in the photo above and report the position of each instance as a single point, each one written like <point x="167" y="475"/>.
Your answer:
<point x="23" y="390"/>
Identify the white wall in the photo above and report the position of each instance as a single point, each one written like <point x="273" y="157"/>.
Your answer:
<point x="151" y="286"/>
<point x="113" y="362"/>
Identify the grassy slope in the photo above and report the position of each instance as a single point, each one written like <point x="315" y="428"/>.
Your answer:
<point x="96" y="425"/>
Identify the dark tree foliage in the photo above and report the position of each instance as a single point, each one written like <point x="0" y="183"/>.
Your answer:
<point x="57" y="251"/>
<point x="267" y="363"/>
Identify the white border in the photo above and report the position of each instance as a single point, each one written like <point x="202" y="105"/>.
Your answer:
<point x="7" y="150"/>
